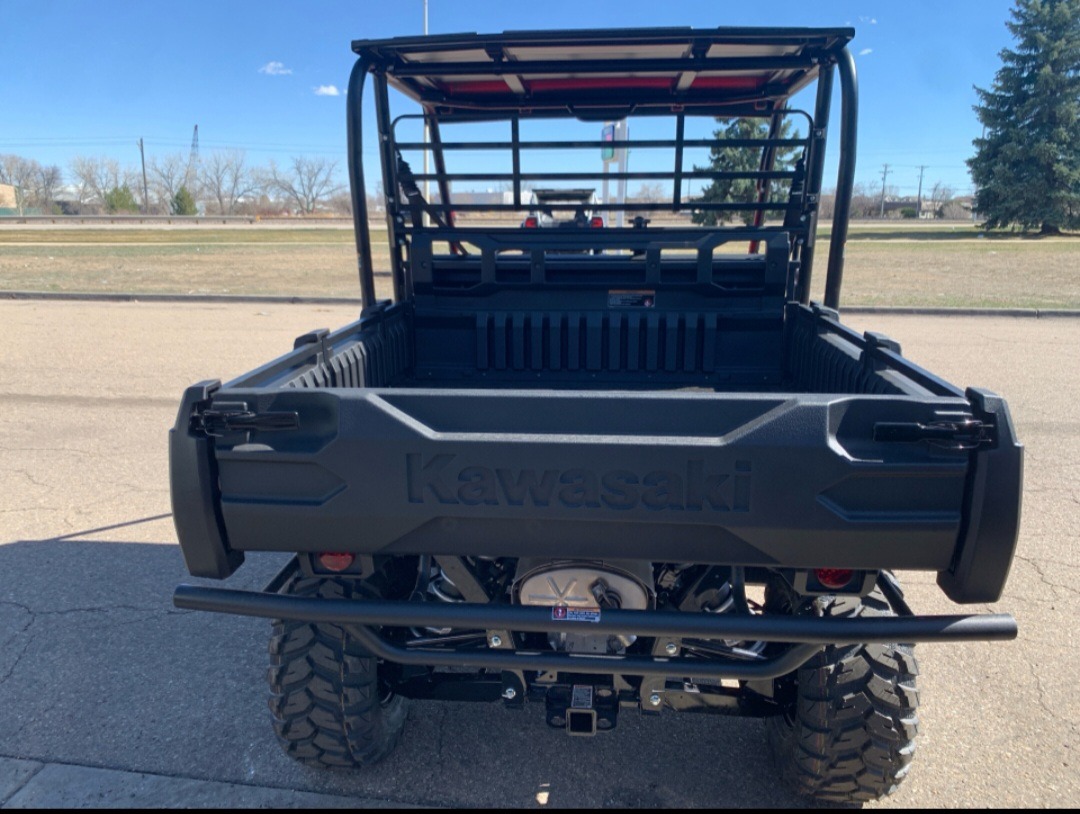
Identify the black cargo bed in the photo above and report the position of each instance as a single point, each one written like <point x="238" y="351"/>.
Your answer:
<point x="819" y="474"/>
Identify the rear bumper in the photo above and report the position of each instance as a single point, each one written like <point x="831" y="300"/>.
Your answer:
<point x="805" y="636"/>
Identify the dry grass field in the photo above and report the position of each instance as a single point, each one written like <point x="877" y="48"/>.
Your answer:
<point x="932" y="265"/>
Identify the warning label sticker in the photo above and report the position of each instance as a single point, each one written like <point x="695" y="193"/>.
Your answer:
<point x="618" y="298"/>
<point x="561" y="613"/>
<point x="581" y="696"/>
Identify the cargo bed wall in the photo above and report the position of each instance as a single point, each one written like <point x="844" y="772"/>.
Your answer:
<point x="809" y="352"/>
<point x="375" y="351"/>
<point x="598" y="348"/>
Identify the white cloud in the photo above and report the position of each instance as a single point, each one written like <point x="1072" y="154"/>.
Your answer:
<point x="275" y="69"/>
<point x="868" y="20"/>
<point x="866" y="51"/>
<point x="327" y="90"/>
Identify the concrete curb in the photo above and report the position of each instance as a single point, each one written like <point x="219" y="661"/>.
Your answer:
<point x="226" y="299"/>
<point x="31" y="784"/>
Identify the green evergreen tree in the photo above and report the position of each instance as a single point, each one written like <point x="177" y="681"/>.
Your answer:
<point x="1027" y="164"/>
<point x="120" y="199"/>
<point x="183" y="203"/>
<point x="725" y="158"/>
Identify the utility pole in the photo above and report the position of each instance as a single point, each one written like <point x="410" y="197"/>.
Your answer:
<point x="145" y="195"/>
<point x="918" y="206"/>
<point x="884" y="175"/>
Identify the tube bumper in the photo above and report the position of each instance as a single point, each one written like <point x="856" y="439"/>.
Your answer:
<point x="804" y="635"/>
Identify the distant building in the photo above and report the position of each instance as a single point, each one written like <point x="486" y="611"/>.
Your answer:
<point x="894" y="207"/>
<point x="9" y="202"/>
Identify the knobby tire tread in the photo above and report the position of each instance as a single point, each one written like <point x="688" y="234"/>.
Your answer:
<point x="849" y="736"/>
<point x="328" y="708"/>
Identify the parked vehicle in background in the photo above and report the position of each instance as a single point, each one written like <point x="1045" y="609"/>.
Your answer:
<point x="650" y="480"/>
<point x="544" y="215"/>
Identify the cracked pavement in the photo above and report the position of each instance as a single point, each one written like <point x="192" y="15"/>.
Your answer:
<point x="110" y="696"/>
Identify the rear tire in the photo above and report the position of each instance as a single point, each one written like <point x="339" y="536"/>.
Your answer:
<point x="848" y="730"/>
<point x="329" y="706"/>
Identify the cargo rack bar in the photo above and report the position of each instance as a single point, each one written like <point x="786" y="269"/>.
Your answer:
<point x="676" y="175"/>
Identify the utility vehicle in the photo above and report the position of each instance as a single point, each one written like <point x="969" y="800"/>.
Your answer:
<point x="585" y="215"/>
<point x="653" y="479"/>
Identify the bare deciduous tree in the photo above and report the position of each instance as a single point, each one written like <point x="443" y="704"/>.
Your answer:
<point x="48" y="181"/>
<point x="341" y="203"/>
<point x="96" y="176"/>
<point x="306" y="182"/>
<point x="166" y="175"/>
<point x="940" y="196"/>
<point x="826" y="205"/>
<point x="865" y="201"/>
<point x="650" y="193"/>
<point x="20" y="173"/>
<point x="225" y="178"/>
<point x="35" y="185"/>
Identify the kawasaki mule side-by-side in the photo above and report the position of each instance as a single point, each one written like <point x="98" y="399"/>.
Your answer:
<point x="602" y="471"/>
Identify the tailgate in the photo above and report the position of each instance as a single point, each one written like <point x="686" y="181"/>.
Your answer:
<point x="771" y="479"/>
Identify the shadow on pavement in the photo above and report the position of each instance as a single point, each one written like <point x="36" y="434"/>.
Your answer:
<point x="97" y="668"/>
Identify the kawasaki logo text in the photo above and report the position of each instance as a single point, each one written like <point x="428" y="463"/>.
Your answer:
<point x="439" y="479"/>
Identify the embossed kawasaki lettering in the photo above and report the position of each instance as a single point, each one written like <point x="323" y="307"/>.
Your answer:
<point x="442" y="479"/>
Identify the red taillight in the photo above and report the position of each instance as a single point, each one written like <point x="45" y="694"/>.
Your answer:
<point x="597" y="223"/>
<point x="531" y="223"/>
<point x="834" y="578"/>
<point x="336" y="560"/>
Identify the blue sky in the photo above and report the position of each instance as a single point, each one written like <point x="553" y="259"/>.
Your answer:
<point x="92" y="77"/>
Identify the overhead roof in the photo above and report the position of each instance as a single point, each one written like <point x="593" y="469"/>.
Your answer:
<point x="647" y="67"/>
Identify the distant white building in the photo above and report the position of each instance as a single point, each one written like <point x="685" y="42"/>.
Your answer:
<point x="8" y="200"/>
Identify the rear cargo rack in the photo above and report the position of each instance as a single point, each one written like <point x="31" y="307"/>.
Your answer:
<point x="605" y="75"/>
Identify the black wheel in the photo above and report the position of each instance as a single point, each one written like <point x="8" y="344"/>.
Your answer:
<point x="848" y="730"/>
<point x="329" y="706"/>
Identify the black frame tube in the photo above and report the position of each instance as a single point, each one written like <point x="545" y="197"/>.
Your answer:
<point x="361" y="233"/>
<point x="390" y="184"/>
<point x="676" y="196"/>
<point x="407" y="70"/>
<point x="694" y="669"/>
<point x="765" y="171"/>
<point x="814" y="176"/>
<point x="705" y="206"/>
<point x="845" y="179"/>
<point x="442" y="178"/>
<point x="598" y="144"/>
<point x="775" y="628"/>
<point x="515" y="137"/>
<point x="613" y="176"/>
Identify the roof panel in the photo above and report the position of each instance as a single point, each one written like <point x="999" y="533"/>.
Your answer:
<point x="641" y="67"/>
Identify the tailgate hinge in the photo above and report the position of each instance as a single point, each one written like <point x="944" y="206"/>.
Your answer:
<point x="968" y="433"/>
<point x="217" y="423"/>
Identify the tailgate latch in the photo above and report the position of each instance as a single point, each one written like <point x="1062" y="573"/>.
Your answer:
<point x="967" y="433"/>
<point x="217" y="423"/>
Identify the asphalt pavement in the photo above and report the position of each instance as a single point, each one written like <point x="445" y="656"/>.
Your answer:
<point x="109" y="696"/>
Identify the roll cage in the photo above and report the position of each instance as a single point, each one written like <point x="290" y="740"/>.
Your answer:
<point x="599" y="75"/>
